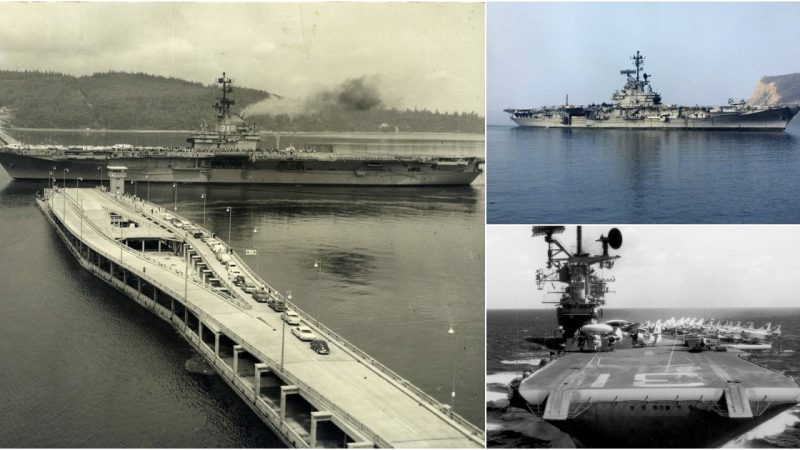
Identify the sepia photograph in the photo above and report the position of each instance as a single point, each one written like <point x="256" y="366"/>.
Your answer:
<point x="242" y="225"/>
<point x="656" y="112"/>
<point x="640" y="336"/>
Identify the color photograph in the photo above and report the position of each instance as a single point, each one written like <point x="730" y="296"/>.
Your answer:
<point x="642" y="112"/>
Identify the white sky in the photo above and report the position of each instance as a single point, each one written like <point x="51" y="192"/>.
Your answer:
<point x="422" y="55"/>
<point x="662" y="266"/>
<point x="698" y="52"/>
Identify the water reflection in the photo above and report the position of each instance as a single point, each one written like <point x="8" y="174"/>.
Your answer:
<point x="556" y="175"/>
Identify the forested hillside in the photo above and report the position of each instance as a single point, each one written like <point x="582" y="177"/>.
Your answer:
<point x="109" y="100"/>
<point x="139" y="101"/>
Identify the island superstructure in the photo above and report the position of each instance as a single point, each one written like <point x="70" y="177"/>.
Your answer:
<point x="175" y="270"/>
<point x="638" y="106"/>
<point x="232" y="153"/>
<point x="655" y="395"/>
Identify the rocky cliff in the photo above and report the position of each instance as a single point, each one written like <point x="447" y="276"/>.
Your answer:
<point x="777" y="90"/>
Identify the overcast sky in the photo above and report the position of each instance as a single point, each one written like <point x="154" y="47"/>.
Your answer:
<point x="662" y="266"/>
<point x="698" y="53"/>
<point x="420" y="55"/>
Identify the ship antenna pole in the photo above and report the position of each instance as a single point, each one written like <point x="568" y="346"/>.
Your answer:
<point x="516" y="341"/>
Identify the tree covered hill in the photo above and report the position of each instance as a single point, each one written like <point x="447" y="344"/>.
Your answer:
<point x="109" y="100"/>
<point x="116" y="100"/>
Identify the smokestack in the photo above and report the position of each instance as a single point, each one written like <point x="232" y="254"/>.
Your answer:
<point x="579" y="240"/>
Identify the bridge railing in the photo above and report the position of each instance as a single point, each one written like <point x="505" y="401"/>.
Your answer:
<point x="233" y="297"/>
<point x="141" y="256"/>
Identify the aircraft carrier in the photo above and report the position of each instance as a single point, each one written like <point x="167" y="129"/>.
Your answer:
<point x="662" y="395"/>
<point x="638" y="106"/>
<point x="232" y="153"/>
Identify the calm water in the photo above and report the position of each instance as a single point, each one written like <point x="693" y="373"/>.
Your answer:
<point x="86" y="367"/>
<point x="639" y="176"/>
<point x="508" y="355"/>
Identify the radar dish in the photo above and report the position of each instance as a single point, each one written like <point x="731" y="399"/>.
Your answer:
<point x="547" y="230"/>
<point x="615" y="238"/>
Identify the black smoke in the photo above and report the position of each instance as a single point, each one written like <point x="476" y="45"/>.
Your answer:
<point x="355" y="94"/>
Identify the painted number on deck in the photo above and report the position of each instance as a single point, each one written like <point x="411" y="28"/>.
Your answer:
<point x="667" y="380"/>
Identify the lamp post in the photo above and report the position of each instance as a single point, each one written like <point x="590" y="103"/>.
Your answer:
<point x="78" y="199"/>
<point x="135" y="188"/>
<point x="255" y="230"/>
<point x="186" y="269"/>
<point x="318" y="266"/>
<point x="121" y="243"/>
<point x="203" y="196"/>
<point x="452" y="331"/>
<point x="175" y="188"/>
<point x="283" y="331"/>
<point x="229" y="210"/>
<point x="64" y="203"/>
<point x="147" y="177"/>
<point x="100" y="169"/>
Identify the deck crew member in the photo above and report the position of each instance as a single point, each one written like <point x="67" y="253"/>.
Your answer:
<point x="657" y="333"/>
<point x="558" y="336"/>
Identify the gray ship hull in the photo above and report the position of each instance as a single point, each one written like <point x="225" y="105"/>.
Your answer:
<point x="775" y="119"/>
<point x="236" y="170"/>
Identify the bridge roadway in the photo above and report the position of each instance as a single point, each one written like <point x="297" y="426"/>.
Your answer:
<point x="370" y="405"/>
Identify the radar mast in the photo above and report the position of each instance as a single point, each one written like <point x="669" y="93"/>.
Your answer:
<point x="584" y="294"/>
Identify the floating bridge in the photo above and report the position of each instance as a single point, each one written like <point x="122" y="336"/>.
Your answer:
<point x="345" y="399"/>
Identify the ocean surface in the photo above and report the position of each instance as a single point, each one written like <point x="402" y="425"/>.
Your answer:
<point x="83" y="366"/>
<point x="539" y="175"/>
<point x="507" y="355"/>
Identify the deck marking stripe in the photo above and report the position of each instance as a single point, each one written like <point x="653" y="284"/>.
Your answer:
<point x="601" y="380"/>
<point x="405" y="425"/>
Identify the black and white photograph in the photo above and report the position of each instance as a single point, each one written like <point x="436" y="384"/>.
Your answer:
<point x="242" y="225"/>
<point x="637" y="336"/>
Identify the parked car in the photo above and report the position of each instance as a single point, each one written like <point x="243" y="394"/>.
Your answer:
<point x="304" y="333"/>
<point x="261" y="297"/>
<point x="276" y="304"/>
<point x="238" y="280"/>
<point x="249" y="286"/>
<point x="291" y="317"/>
<point x="320" y="346"/>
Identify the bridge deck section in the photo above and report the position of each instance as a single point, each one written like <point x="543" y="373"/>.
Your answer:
<point x="389" y="412"/>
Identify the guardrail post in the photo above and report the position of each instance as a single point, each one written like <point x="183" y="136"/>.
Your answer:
<point x="286" y="390"/>
<point x="317" y="416"/>
<point x="260" y="369"/>
<point x="236" y="350"/>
